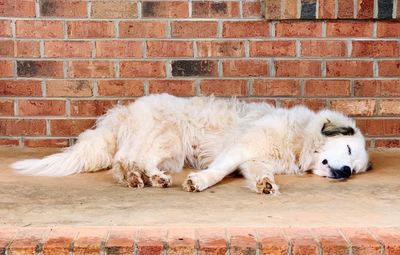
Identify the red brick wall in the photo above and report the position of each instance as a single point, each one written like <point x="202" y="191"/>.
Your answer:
<point x="65" y="62"/>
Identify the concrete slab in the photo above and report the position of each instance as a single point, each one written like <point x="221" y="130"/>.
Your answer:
<point x="370" y="199"/>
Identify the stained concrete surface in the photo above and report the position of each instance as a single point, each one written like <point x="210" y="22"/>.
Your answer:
<point x="370" y="199"/>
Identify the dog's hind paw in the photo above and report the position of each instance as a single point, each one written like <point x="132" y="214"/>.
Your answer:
<point x="129" y="175"/>
<point x="265" y="186"/>
<point x="161" y="180"/>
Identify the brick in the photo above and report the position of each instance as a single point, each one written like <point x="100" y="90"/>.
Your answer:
<point x="398" y="9"/>
<point x="91" y="108"/>
<point x="181" y="241"/>
<point x="169" y="49"/>
<point x="388" y="29"/>
<point x="224" y="87"/>
<point x="6" y="68"/>
<point x="273" y="9"/>
<point x="142" y="69"/>
<point x="165" y="9"/>
<point x="6" y="142"/>
<point x="194" y="29"/>
<point x="308" y="9"/>
<point x="22" y="127"/>
<point x="376" y="49"/>
<point x="372" y="88"/>
<point x="7" y="234"/>
<point x="70" y="127"/>
<point x="194" y="68"/>
<point x="119" y="49"/>
<point x="121" y="88"/>
<point x="390" y="247"/>
<point x="220" y="49"/>
<point x="385" y="9"/>
<point x="67" y="49"/>
<point x="68" y="88"/>
<point x="39" y="29"/>
<point x="302" y="241"/>
<point x="27" y="241"/>
<point x="173" y="87"/>
<point x="379" y="127"/>
<point x="57" y="244"/>
<point x="89" y="241"/>
<point x="252" y="8"/>
<point x="242" y="241"/>
<point x="298" y="29"/>
<point x="272" y="48"/>
<point x="20" y="88"/>
<point x="389" y="68"/>
<point x="6" y="48"/>
<point x="243" y="68"/>
<point x="326" y="9"/>
<point x="356" y="107"/>
<point x="361" y="241"/>
<point x="17" y="8"/>
<point x="5" y="28"/>
<point x="151" y="241"/>
<point x="26" y="49"/>
<point x="142" y="29"/>
<point x="289" y="9"/>
<point x="345" y="9"/>
<point x="120" y="241"/>
<point x="63" y="8"/>
<point x="314" y="48"/>
<point x="327" y="88"/>
<point x="313" y="104"/>
<point x="272" y="241"/>
<point x="349" y="68"/>
<point x="365" y="9"/>
<point x="238" y="29"/>
<point x="389" y="107"/>
<point x="6" y="107"/>
<point x="298" y="68"/>
<point x="91" y="69"/>
<point x="349" y="29"/>
<point x="331" y="241"/>
<point x="90" y="29"/>
<point x="114" y="9"/>
<point x="211" y="9"/>
<point x="60" y="239"/>
<point x="211" y="241"/>
<point x="40" y="69"/>
<point x="41" y="107"/>
<point x="276" y="88"/>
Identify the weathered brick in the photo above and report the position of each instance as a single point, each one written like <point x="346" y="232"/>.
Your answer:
<point x="181" y="241"/>
<point x="355" y="107"/>
<point x="326" y="88"/>
<point x="272" y="48"/>
<point x="276" y="88"/>
<point x="313" y="104"/>
<point x="90" y="29"/>
<point x="40" y="68"/>
<point x="120" y="88"/>
<point x="308" y="9"/>
<point x="327" y="9"/>
<point x="361" y="241"/>
<point x="27" y="241"/>
<point x="6" y="107"/>
<point x="372" y="88"/>
<point x="345" y="9"/>
<point x="298" y="29"/>
<point x="224" y="87"/>
<point x="389" y="68"/>
<point x="173" y="87"/>
<point x="242" y="68"/>
<point x="63" y="8"/>
<point x="252" y="8"/>
<point x="302" y="241"/>
<point x="89" y="241"/>
<point x="391" y="247"/>
<point x="150" y="241"/>
<point x="211" y="241"/>
<point x="142" y="69"/>
<point x="194" y="29"/>
<point x="70" y="127"/>
<point x="389" y="107"/>
<point x="349" y="29"/>
<point x="376" y="49"/>
<point x="11" y="127"/>
<point x="17" y="8"/>
<point x="331" y="241"/>
<point x="6" y="48"/>
<point x="119" y="49"/>
<point x="68" y="88"/>
<point x="273" y="9"/>
<point x="67" y="49"/>
<point x="6" y="142"/>
<point x="114" y="9"/>
<point x="289" y="9"/>
<point x="120" y="241"/>
<point x="5" y="28"/>
<point x="379" y="127"/>
<point x="245" y="29"/>
<point x="213" y="9"/>
<point x="142" y="29"/>
<point x="20" y="88"/>
<point x="169" y="49"/>
<point x="349" y="68"/>
<point x="91" y="108"/>
<point x="317" y="48"/>
<point x="41" y="107"/>
<point x="388" y="28"/>
<point x="365" y="9"/>
<point x="165" y="9"/>
<point x="194" y="68"/>
<point x="60" y="239"/>
<point x="6" y="68"/>
<point x="91" y="69"/>
<point x="59" y="245"/>
<point x="298" y="68"/>
<point x="242" y="241"/>
<point x="220" y="49"/>
<point x="39" y="29"/>
<point x="27" y="49"/>
<point x="272" y="241"/>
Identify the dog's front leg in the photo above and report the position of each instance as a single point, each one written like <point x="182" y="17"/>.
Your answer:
<point x="260" y="176"/>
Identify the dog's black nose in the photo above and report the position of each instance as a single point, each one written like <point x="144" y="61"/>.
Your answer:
<point x="346" y="171"/>
<point x="342" y="173"/>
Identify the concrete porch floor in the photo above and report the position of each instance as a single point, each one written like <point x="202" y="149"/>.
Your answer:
<point x="371" y="199"/>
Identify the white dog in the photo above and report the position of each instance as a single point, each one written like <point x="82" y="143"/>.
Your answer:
<point x="158" y="134"/>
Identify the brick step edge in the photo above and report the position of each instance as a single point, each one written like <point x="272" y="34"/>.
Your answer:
<point x="204" y="240"/>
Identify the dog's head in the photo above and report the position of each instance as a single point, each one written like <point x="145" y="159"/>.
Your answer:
<point x="340" y="150"/>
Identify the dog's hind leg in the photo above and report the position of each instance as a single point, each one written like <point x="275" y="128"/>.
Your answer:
<point x="260" y="176"/>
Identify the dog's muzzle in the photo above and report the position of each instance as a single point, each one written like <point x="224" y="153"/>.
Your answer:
<point x="342" y="173"/>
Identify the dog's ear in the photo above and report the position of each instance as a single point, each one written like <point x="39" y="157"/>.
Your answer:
<point x="330" y="129"/>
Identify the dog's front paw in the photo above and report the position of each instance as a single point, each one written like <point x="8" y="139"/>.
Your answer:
<point x="266" y="186"/>
<point x="193" y="183"/>
<point x="161" y="180"/>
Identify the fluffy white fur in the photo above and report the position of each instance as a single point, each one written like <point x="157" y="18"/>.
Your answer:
<point x="158" y="134"/>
